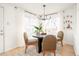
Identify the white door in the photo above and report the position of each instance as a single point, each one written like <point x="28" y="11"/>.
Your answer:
<point x="1" y="29"/>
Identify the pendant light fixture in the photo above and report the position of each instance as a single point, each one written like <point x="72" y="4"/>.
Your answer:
<point x="44" y="16"/>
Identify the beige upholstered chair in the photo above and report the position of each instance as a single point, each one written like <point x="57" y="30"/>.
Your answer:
<point x="49" y="44"/>
<point x="29" y="42"/>
<point x="60" y="37"/>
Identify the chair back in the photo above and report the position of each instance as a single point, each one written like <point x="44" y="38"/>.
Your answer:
<point x="25" y="38"/>
<point x="60" y="35"/>
<point x="49" y="42"/>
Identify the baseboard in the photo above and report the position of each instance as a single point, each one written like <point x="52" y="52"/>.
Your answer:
<point x="68" y="43"/>
<point x="76" y="52"/>
<point x="9" y="50"/>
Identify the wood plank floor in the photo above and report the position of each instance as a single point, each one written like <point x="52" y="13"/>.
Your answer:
<point x="67" y="50"/>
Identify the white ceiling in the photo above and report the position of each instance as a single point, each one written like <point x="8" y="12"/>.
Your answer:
<point x="37" y="8"/>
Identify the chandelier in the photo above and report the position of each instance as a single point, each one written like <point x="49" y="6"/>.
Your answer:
<point x="44" y="16"/>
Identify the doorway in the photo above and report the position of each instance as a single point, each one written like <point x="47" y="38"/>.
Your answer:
<point x="1" y="29"/>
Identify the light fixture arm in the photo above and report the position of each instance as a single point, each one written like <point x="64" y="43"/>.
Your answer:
<point x="44" y="16"/>
<point x="44" y="11"/>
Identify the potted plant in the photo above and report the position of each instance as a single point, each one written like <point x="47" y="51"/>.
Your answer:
<point x="38" y="29"/>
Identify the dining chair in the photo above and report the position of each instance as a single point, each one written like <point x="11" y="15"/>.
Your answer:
<point x="60" y="36"/>
<point x="29" y="42"/>
<point x="49" y="44"/>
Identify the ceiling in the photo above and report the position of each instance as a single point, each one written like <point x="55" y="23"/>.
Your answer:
<point x="37" y="8"/>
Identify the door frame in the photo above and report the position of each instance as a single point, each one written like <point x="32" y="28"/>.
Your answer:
<point x="3" y="31"/>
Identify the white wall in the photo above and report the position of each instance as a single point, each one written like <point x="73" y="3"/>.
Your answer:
<point x="61" y="20"/>
<point x="9" y="27"/>
<point x="1" y="30"/>
<point x="69" y="33"/>
<point x="76" y="41"/>
<point x="12" y="27"/>
<point x="19" y="19"/>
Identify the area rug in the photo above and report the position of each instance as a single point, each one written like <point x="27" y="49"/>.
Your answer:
<point x="33" y="52"/>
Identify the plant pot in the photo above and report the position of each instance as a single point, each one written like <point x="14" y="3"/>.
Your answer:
<point x="38" y="33"/>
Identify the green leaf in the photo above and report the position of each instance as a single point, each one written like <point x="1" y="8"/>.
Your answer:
<point x="38" y="28"/>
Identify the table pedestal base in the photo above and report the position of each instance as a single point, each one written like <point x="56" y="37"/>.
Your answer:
<point x="40" y="44"/>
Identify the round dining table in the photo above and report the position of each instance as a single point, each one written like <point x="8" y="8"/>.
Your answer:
<point x="40" y="38"/>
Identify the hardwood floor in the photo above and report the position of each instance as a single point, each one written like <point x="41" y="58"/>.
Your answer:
<point x="67" y="50"/>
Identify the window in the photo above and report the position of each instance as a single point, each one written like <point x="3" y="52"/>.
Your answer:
<point x="29" y="22"/>
<point x="50" y="26"/>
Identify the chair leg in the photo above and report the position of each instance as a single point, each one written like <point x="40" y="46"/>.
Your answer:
<point x="54" y="53"/>
<point x="25" y="49"/>
<point x="43" y="53"/>
<point x="61" y="43"/>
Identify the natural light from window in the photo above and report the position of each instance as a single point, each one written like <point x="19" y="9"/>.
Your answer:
<point x="50" y="26"/>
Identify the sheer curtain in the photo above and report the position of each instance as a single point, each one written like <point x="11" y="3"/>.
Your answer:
<point x="52" y="25"/>
<point x="29" y="22"/>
